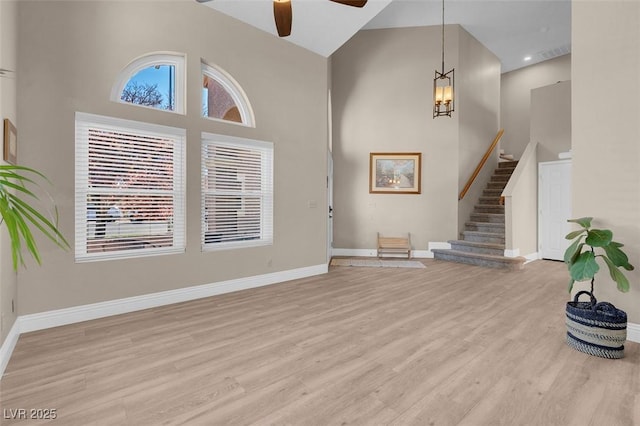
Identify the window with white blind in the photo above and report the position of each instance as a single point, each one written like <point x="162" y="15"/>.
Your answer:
<point x="237" y="192"/>
<point x="130" y="189"/>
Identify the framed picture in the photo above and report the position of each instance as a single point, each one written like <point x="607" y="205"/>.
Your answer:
<point x="394" y="173"/>
<point x="10" y="142"/>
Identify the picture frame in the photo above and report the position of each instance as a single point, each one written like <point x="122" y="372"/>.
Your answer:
<point x="395" y="173"/>
<point x="10" y="142"/>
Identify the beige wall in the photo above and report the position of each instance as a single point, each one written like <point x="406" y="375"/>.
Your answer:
<point x="606" y="132"/>
<point x="8" y="44"/>
<point x="551" y="120"/>
<point x="515" y="98"/>
<point x="382" y="102"/>
<point x="521" y="206"/>
<point x="69" y="56"/>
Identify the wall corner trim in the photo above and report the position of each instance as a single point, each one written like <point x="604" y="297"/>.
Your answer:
<point x="59" y="317"/>
<point x="8" y="345"/>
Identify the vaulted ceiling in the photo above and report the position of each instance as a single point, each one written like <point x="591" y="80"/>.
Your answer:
<point x="512" y="29"/>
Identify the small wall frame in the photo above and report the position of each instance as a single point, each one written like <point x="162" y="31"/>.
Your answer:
<point x="394" y="173"/>
<point x="10" y="152"/>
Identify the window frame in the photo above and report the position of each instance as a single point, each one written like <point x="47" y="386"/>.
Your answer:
<point x="153" y="59"/>
<point x="266" y="150"/>
<point x="85" y="121"/>
<point x="234" y="90"/>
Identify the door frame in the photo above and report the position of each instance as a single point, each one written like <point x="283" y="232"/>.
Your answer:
<point x="542" y="165"/>
<point x="329" y="206"/>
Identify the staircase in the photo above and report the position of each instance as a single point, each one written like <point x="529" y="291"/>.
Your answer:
<point x="482" y="240"/>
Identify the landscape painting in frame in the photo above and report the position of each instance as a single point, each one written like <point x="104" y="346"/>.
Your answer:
<point x="394" y="173"/>
<point x="10" y="142"/>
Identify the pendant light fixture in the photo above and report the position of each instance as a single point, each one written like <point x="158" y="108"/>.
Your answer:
<point x="443" y="86"/>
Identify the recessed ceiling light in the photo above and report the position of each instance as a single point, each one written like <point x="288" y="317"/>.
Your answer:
<point x="527" y="58"/>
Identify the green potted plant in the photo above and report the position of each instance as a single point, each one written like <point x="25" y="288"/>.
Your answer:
<point x="19" y="215"/>
<point x="598" y="329"/>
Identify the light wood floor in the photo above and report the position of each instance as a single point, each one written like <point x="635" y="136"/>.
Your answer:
<point x="446" y="345"/>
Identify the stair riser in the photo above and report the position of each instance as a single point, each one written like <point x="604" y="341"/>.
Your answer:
<point x="481" y="250"/>
<point x="492" y="193"/>
<point x="496" y="185"/>
<point x="503" y="171"/>
<point x="507" y="164"/>
<point x="483" y="238"/>
<point x="499" y="178"/>
<point x="478" y="262"/>
<point x="494" y="201"/>
<point x="491" y="218"/>
<point x="489" y="209"/>
<point x="479" y="227"/>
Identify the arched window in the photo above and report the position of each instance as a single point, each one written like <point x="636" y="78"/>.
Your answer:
<point x="155" y="81"/>
<point x="223" y="98"/>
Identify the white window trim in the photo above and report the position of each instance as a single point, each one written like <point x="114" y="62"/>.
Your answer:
<point x="235" y="91"/>
<point x="266" y="228"/>
<point x="150" y="60"/>
<point x="179" y="219"/>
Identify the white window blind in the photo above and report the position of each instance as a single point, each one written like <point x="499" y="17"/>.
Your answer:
<point x="130" y="190"/>
<point x="237" y="192"/>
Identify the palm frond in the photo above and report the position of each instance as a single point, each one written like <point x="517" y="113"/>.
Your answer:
<point x="19" y="214"/>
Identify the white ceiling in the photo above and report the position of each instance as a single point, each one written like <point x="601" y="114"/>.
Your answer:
<point x="511" y="29"/>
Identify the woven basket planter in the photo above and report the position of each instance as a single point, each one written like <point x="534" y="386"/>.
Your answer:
<point x="594" y="328"/>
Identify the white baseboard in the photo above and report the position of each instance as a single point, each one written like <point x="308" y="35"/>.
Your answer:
<point x="516" y="253"/>
<point x="421" y="254"/>
<point x="511" y="252"/>
<point x="43" y="320"/>
<point x="354" y="252"/>
<point x="374" y="253"/>
<point x="633" y="332"/>
<point x="59" y="317"/>
<point x="437" y="245"/>
<point x="6" y="349"/>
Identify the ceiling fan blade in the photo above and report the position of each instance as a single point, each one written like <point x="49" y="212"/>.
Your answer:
<point x="283" y="16"/>
<point x="354" y="3"/>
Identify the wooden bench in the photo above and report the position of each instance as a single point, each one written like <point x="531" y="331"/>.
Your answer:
<point x="394" y="245"/>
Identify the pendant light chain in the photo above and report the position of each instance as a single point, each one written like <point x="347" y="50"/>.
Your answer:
<point x="443" y="86"/>
<point x="442" y="36"/>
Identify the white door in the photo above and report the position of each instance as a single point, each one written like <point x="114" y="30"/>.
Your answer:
<point x="554" y="203"/>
